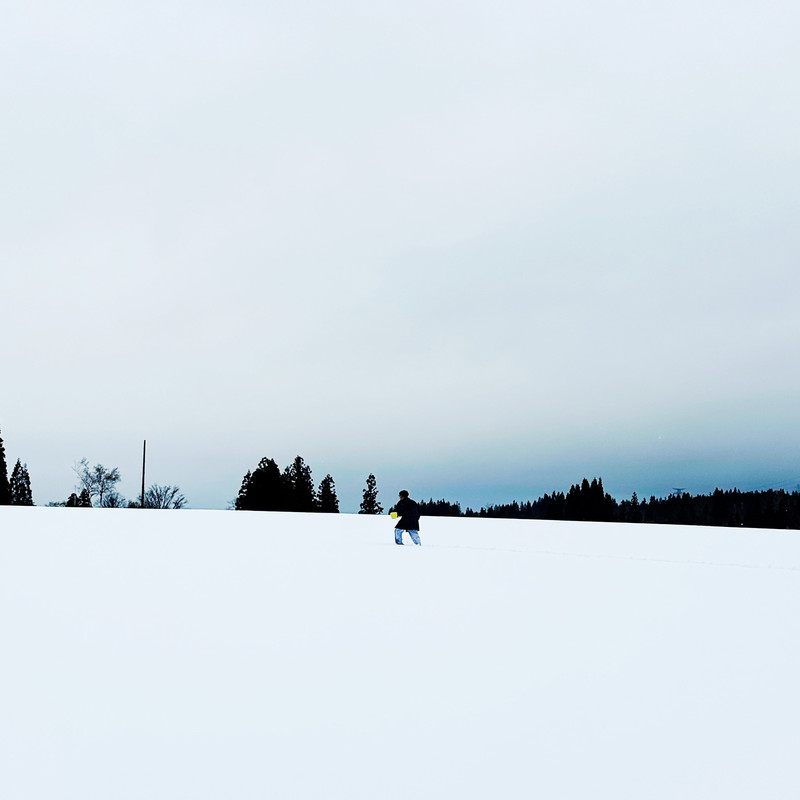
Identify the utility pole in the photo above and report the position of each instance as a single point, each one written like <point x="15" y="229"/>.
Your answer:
<point x="144" y="459"/>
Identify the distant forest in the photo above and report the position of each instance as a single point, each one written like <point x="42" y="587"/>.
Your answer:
<point x="589" y="501"/>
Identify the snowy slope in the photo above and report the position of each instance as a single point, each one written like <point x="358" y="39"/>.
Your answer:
<point x="202" y="654"/>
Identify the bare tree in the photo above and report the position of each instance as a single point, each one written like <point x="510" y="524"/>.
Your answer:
<point x="114" y="500"/>
<point x="99" y="482"/>
<point x="164" y="497"/>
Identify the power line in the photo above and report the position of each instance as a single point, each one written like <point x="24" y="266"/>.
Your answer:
<point x="792" y="482"/>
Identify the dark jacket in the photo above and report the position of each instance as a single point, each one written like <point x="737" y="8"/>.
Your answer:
<point x="408" y="511"/>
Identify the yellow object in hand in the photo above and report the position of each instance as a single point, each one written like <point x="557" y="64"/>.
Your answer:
<point x="394" y="515"/>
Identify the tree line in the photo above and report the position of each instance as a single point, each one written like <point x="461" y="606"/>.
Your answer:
<point x="589" y="501"/>
<point x="268" y="488"/>
<point x="96" y="488"/>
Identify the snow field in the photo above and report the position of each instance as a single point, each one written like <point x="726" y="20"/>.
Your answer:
<point x="202" y="654"/>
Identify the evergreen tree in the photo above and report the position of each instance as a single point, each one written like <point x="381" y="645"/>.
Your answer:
<point x="20" y="486"/>
<point x="327" y="501"/>
<point x="263" y="489"/>
<point x="5" y="489"/>
<point x="370" y="504"/>
<point x="635" y="510"/>
<point x="573" y="507"/>
<point x="303" y="494"/>
<point x="267" y="489"/>
<point x="244" y="490"/>
<point x="79" y="501"/>
<point x="287" y="489"/>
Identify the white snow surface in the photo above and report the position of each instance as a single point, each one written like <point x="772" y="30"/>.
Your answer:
<point x="213" y="654"/>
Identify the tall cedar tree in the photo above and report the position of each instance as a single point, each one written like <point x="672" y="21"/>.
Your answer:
<point x="262" y="490"/>
<point x="327" y="500"/>
<point x="267" y="487"/>
<point x="5" y="489"/>
<point x="370" y="504"/>
<point x="244" y="489"/>
<point x="20" y="486"/>
<point x="300" y="484"/>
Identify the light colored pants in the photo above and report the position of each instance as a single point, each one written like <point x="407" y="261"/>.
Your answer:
<point x="398" y="536"/>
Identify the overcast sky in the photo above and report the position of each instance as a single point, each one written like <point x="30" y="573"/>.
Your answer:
<point x="482" y="250"/>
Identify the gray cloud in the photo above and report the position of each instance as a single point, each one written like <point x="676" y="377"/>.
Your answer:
<point x="439" y="240"/>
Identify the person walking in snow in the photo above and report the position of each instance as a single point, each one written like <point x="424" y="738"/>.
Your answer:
<point x="408" y="513"/>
